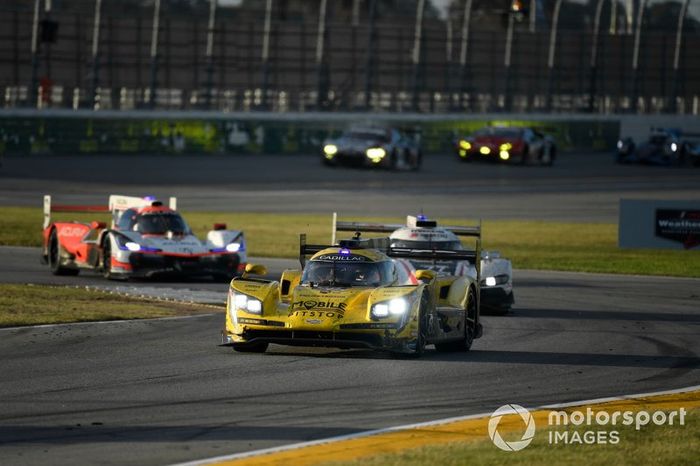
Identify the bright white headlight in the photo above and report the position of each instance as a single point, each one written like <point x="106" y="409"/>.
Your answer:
<point x="254" y="306"/>
<point x="244" y="303"/>
<point x="674" y="147"/>
<point x="330" y="149"/>
<point x="620" y="144"/>
<point x="233" y="247"/>
<point x="381" y="310"/>
<point x="398" y="306"/>
<point x="490" y="281"/>
<point x="131" y="246"/>
<point x="240" y="300"/>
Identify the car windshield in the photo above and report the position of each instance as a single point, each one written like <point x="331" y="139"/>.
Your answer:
<point x="338" y="273"/>
<point x="368" y="135"/>
<point x="658" y="139"/>
<point x="160" y="223"/>
<point x="444" y="245"/>
<point x="499" y="132"/>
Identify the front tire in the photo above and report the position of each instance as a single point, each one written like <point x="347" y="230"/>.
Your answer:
<point x="418" y="161"/>
<point x="106" y="268"/>
<point x="54" y="258"/>
<point x="465" y="343"/>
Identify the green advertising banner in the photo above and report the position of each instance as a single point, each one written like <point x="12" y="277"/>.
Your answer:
<point x="158" y="133"/>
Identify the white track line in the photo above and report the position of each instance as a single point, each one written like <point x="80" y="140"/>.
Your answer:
<point x="369" y="433"/>
<point x="102" y="322"/>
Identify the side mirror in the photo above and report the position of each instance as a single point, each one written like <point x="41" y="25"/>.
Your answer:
<point x="425" y="275"/>
<point x="255" y="269"/>
<point x="290" y="279"/>
<point x="219" y="226"/>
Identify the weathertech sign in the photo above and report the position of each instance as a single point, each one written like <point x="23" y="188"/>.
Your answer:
<point x="659" y="224"/>
<point x="682" y="226"/>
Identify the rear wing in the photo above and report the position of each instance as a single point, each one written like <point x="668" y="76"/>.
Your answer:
<point x="471" y="256"/>
<point x="116" y="203"/>
<point x="72" y="208"/>
<point x="359" y="227"/>
<point x="306" y="250"/>
<point x="411" y="221"/>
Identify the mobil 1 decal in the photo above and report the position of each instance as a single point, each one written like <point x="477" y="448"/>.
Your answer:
<point x="314" y="308"/>
<point x="682" y="226"/>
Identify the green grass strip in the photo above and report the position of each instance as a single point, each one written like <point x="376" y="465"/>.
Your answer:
<point x="35" y="304"/>
<point x="581" y="247"/>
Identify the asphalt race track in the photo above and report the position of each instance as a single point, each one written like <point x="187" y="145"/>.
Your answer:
<point x="162" y="391"/>
<point x="579" y="187"/>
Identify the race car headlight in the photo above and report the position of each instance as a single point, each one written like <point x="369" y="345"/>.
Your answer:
<point x="396" y="307"/>
<point x="504" y="155"/>
<point x="133" y="247"/>
<point x="674" y="147"/>
<point x="506" y="147"/>
<point x="233" y="247"/>
<point x="330" y="150"/>
<point x="375" y="154"/>
<point x="495" y="281"/>
<point x="247" y="304"/>
<point x="620" y="145"/>
<point x="484" y="150"/>
<point x="466" y="145"/>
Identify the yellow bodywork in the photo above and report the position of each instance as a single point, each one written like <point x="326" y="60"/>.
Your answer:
<point x="289" y="312"/>
<point x="341" y="310"/>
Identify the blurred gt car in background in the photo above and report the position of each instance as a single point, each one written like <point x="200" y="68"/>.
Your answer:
<point x="665" y="146"/>
<point x="369" y="146"/>
<point x="145" y="239"/>
<point x="419" y="233"/>
<point x="507" y="145"/>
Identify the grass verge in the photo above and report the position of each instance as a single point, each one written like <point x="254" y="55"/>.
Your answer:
<point x="34" y="305"/>
<point x="660" y="445"/>
<point x="581" y="247"/>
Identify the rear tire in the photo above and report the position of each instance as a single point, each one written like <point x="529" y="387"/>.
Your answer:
<point x="54" y="258"/>
<point x="421" y="338"/>
<point x="250" y="347"/>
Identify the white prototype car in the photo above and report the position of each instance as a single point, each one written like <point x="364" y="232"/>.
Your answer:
<point x="421" y="233"/>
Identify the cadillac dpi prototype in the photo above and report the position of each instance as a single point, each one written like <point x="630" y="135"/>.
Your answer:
<point x="388" y="148"/>
<point x="145" y="239"/>
<point x="351" y="296"/>
<point x="496" y="280"/>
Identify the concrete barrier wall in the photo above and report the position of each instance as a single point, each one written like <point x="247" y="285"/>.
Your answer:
<point x="114" y="132"/>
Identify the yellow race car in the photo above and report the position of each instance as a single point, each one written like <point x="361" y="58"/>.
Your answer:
<point x="353" y="295"/>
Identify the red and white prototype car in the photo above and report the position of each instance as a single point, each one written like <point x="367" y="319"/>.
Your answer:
<point x="145" y="239"/>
